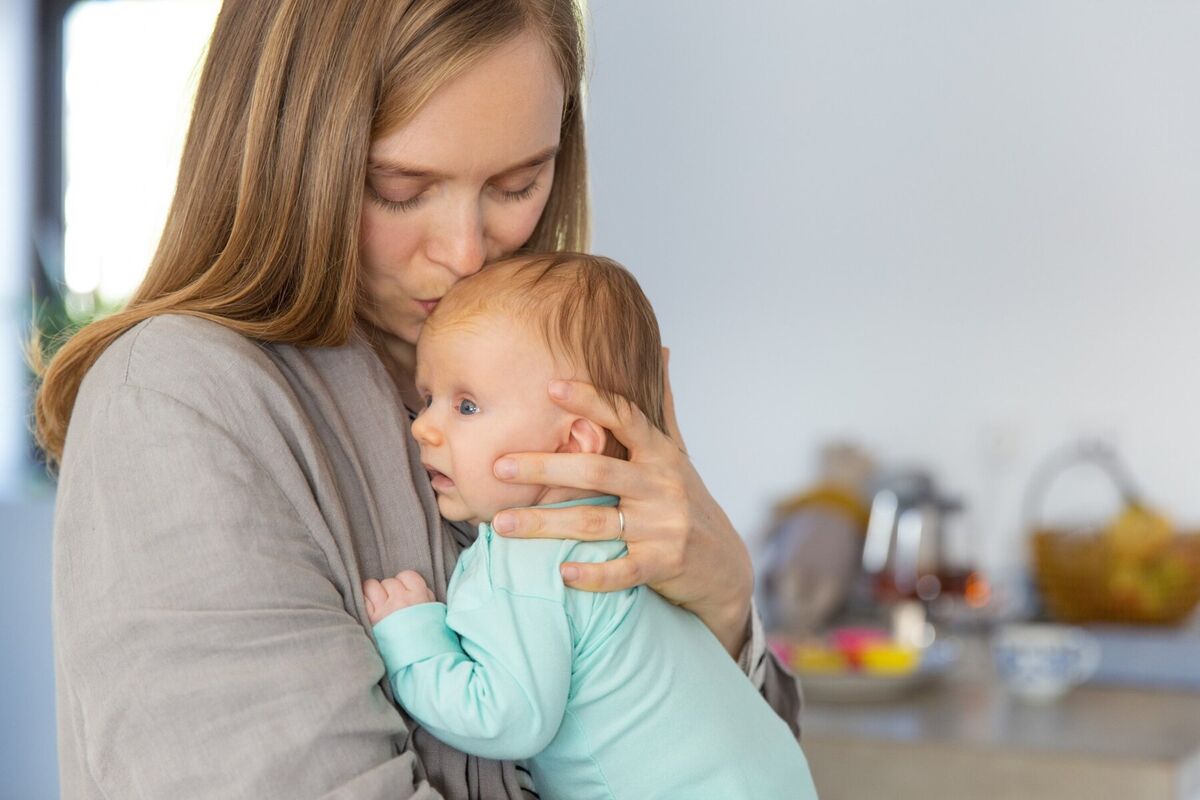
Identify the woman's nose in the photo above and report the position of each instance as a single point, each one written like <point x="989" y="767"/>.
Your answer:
<point x="424" y="431"/>
<point x="460" y="245"/>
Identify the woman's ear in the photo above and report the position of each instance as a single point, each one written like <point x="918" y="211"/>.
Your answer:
<point x="585" y="436"/>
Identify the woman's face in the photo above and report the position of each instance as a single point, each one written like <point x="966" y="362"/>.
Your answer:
<point x="461" y="184"/>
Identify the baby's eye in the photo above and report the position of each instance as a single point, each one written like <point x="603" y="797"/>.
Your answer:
<point x="428" y="400"/>
<point x="467" y="408"/>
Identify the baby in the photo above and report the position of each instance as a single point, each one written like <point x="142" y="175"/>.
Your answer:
<point x="607" y="695"/>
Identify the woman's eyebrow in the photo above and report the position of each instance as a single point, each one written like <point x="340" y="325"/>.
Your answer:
<point x="395" y="169"/>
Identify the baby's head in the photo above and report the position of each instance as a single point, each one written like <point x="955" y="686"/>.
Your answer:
<point x="488" y="353"/>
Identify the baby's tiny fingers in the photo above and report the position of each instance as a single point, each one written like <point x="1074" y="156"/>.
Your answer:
<point x="374" y="592"/>
<point x="411" y="580"/>
<point x="376" y="598"/>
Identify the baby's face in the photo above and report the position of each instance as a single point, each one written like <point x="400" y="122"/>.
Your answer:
<point x="484" y="384"/>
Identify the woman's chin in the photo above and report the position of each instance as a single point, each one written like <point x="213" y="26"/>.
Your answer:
<point x="401" y="327"/>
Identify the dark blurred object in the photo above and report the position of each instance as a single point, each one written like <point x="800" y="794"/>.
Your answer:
<point x="1134" y="569"/>
<point x="810" y="557"/>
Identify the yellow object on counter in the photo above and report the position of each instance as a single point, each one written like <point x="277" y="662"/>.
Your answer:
<point x="890" y="659"/>
<point x="818" y="659"/>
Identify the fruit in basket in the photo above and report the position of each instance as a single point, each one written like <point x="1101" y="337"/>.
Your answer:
<point x="1148" y="588"/>
<point x="1141" y="576"/>
<point x="1135" y="588"/>
<point x="1138" y="534"/>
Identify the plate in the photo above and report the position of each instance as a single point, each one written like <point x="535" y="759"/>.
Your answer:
<point x="862" y="687"/>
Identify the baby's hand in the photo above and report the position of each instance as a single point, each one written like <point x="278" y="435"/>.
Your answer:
<point x="392" y="594"/>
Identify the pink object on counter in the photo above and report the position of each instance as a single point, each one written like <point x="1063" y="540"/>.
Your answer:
<point x="853" y="641"/>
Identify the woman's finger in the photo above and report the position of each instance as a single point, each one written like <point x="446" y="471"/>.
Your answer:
<point x="586" y="523"/>
<point x="606" y="576"/>
<point x="626" y="421"/>
<point x="669" y="402"/>
<point x="589" y="471"/>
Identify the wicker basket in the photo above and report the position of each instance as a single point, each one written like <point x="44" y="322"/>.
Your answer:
<point x="1081" y="579"/>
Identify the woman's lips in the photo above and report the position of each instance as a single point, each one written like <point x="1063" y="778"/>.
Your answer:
<point x="428" y="305"/>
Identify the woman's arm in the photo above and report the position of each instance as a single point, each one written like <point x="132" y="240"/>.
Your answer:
<point x="204" y="649"/>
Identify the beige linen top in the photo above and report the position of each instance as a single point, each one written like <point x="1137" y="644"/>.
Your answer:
<point x="220" y="502"/>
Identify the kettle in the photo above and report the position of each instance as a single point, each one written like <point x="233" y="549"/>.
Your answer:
<point x="905" y="551"/>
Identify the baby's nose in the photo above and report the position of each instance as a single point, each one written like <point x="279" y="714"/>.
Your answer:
<point x="424" y="431"/>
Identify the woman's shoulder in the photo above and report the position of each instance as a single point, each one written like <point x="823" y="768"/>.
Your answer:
<point x="183" y="356"/>
<point x="241" y="384"/>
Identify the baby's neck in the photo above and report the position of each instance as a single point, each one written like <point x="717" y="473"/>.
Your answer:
<point x="559" y="494"/>
<point x="555" y="494"/>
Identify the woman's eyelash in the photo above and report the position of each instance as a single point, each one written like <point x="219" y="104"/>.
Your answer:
<point x="394" y="205"/>
<point x="414" y="202"/>
<point x="521" y="194"/>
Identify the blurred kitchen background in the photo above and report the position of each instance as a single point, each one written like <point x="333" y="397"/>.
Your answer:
<point x="930" y="257"/>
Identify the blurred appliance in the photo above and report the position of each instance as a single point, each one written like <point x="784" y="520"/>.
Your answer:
<point x="810" y="561"/>
<point x="812" y="553"/>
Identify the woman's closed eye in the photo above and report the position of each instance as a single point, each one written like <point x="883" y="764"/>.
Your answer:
<point x="520" y="185"/>
<point x="407" y="204"/>
<point x="517" y="195"/>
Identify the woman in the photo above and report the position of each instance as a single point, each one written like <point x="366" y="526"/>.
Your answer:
<point x="238" y="458"/>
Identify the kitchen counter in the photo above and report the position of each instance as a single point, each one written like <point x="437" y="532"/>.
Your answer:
<point x="965" y="737"/>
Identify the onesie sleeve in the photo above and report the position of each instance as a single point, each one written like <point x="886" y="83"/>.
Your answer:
<point x="489" y="671"/>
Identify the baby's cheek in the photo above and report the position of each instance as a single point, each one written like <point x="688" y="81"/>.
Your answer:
<point x="499" y="496"/>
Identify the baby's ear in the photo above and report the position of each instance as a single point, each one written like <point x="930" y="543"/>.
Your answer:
<point x="585" y="436"/>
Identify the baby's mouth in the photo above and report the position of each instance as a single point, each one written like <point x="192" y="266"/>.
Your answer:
<point x="440" y="481"/>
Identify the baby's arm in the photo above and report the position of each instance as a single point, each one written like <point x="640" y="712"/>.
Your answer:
<point x="489" y="676"/>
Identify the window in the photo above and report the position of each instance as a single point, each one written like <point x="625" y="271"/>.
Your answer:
<point x="130" y="69"/>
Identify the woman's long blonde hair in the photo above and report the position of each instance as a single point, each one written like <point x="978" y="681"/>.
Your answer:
<point x="262" y="235"/>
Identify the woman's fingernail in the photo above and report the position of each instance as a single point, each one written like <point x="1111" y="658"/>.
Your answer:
<point x="570" y="574"/>
<point x="506" y="468"/>
<point x="560" y="389"/>
<point x="504" y="523"/>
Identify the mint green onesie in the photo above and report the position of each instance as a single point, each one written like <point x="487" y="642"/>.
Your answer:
<point x="618" y="695"/>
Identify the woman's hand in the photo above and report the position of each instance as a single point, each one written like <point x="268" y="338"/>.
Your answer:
<point x="680" y="542"/>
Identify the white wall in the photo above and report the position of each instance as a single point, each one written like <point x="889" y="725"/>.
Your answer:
<point x="16" y="35"/>
<point x="960" y="232"/>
